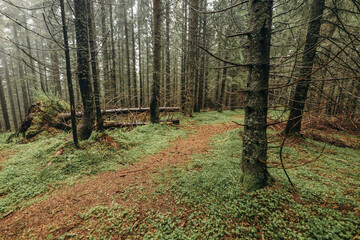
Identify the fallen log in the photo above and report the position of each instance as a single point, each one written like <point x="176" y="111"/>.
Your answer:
<point x="108" y="125"/>
<point x="67" y="116"/>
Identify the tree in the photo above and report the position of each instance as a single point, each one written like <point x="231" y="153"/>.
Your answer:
<point x="68" y="75"/>
<point x="254" y="155"/>
<point x="94" y="65"/>
<point x="4" y="106"/>
<point x="155" y="98"/>
<point x="298" y="102"/>
<point x="83" y="56"/>
<point x="190" y="93"/>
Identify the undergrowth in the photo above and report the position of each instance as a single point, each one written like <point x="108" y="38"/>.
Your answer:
<point x="50" y="162"/>
<point x="211" y="204"/>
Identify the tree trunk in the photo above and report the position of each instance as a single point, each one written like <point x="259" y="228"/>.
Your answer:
<point x="105" y="51"/>
<point x="55" y="72"/>
<point x="87" y="93"/>
<point x="184" y="55"/>
<point x="68" y="75"/>
<point x="113" y="58"/>
<point x="4" y="106"/>
<point x="134" y="59"/>
<point x="94" y="64"/>
<point x="127" y="49"/>
<point x="220" y="101"/>
<point x="10" y="93"/>
<point x="190" y="93"/>
<point x="21" y="74"/>
<point x="155" y="98"/>
<point x="298" y="103"/>
<point x="167" y="53"/>
<point x="254" y="155"/>
<point x="141" y="79"/>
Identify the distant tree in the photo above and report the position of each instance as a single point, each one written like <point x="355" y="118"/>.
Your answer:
<point x="298" y="102"/>
<point x="4" y="105"/>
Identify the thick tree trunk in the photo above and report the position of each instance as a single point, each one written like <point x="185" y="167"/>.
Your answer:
<point x="155" y="98"/>
<point x="254" y="155"/>
<point x="55" y="72"/>
<point x="68" y="75"/>
<point x="298" y="102"/>
<point x="190" y="93"/>
<point x="87" y="93"/>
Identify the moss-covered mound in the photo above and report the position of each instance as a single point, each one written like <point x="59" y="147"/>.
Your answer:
<point x="42" y="117"/>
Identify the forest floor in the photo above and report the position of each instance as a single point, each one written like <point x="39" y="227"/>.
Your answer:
<point x="167" y="182"/>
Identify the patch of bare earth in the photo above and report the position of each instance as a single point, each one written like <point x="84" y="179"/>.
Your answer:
<point x="59" y="213"/>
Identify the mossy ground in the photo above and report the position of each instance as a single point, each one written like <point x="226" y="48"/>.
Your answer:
<point x="210" y="202"/>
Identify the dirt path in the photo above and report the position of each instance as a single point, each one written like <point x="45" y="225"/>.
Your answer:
<point x="59" y="212"/>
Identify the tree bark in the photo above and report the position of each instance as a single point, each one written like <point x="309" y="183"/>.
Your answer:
<point x="4" y="106"/>
<point x="134" y="59"/>
<point x="190" y="93"/>
<point x="298" y="102"/>
<point x="94" y="65"/>
<point x="105" y="51"/>
<point x="254" y="156"/>
<point x="155" y="99"/>
<point x="10" y="93"/>
<point x="68" y="75"/>
<point x="127" y="49"/>
<point x="87" y="93"/>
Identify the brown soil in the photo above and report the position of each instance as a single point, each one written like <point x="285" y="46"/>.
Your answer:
<point x="59" y="213"/>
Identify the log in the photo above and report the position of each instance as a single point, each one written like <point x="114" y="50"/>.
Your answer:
<point x="108" y="125"/>
<point x="67" y="116"/>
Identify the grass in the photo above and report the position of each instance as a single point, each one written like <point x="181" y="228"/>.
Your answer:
<point x="212" y="117"/>
<point x="212" y="205"/>
<point x="33" y="168"/>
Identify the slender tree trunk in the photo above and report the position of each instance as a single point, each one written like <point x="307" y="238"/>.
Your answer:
<point x="4" y="106"/>
<point x="184" y="44"/>
<point x="134" y="59"/>
<point x="113" y="58"/>
<point x="55" y="72"/>
<point x="42" y="86"/>
<point x="190" y="93"/>
<point x="298" y="103"/>
<point x="167" y="53"/>
<point x="254" y="155"/>
<point x="155" y="99"/>
<point x="221" y="100"/>
<point x="87" y="93"/>
<point x="69" y="76"/>
<point x="94" y="65"/>
<point x="21" y="74"/>
<point x="140" y="60"/>
<point x="105" y="51"/>
<point x="127" y="49"/>
<point x="10" y="93"/>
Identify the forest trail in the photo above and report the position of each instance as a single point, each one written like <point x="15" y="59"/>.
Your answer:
<point x="58" y="214"/>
